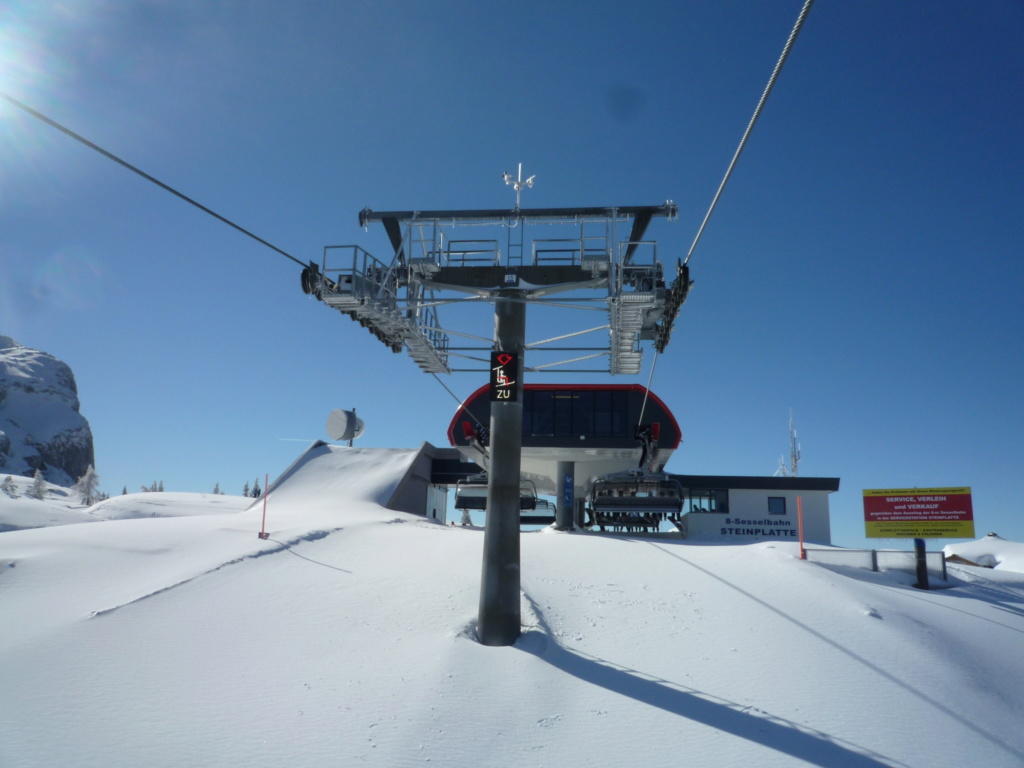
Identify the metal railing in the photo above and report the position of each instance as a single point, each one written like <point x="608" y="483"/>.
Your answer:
<point x="350" y="269"/>
<point x="642" y="270"/>
<point x="879" y="559"/>
<point x="467" y="253"/>
<point x="572" y="251"/>
<point x="427" y="324"/>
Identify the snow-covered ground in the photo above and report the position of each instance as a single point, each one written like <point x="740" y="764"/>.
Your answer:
<point x="345" y="638"/>
<point x="63" y="506"/>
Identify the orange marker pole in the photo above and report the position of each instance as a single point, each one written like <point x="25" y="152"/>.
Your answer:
<point x="800" y="526"/>
<point x="263" y="527"/>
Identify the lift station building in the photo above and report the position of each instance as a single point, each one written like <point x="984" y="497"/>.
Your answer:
<point x="573" y="435"/>
<point x="577" y="433"/>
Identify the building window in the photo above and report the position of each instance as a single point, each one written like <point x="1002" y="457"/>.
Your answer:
<point x="776" y="505"/>
<point x="714" y="500"/>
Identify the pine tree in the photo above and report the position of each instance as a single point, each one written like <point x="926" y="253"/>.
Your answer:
<point x="9" y="488"/>
<point x="88" y="486"/>
<point x="124" y="491"/>
<point x="245" y="491"/>
<point x="216" y="489"/>
<point x="38" y="488"/>
<point x="256" y="489"/>
<point x="160" y="487"/>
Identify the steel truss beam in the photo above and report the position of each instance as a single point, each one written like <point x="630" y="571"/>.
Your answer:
<point x="398" y="302"/>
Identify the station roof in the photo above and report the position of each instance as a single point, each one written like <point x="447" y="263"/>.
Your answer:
<point x="747" y="482"/>
<point x="641" y="215"/>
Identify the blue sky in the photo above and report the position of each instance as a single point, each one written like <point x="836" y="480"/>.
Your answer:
<point x="863" y="266"/>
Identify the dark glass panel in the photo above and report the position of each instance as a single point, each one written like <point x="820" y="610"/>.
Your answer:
<point x="620" y="413"/>
<point x="563" y="413"/>
<point x="543" y="413"/>
<point x="602" y="413"/>
<point x="583" y="413"/>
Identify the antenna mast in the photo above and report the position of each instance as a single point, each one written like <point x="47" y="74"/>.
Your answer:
<point x="793" y="470"/>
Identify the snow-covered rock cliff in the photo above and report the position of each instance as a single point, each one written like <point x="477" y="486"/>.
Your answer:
<point x="40" y="426"/>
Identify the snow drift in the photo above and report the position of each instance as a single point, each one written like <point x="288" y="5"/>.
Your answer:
<point x="991" y="551"/>
<point x="346" y="638"/>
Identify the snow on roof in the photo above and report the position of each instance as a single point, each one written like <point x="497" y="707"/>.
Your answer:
<point x="990" y="551"/>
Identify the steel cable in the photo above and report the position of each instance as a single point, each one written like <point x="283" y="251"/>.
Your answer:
<point x="143" y="174"/>
<point x="750" y="126"/>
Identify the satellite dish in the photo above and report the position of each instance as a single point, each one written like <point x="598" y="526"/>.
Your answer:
<point x="344" y="425"/>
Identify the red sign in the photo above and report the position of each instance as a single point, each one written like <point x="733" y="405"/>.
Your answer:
<point x="924" y="513"/>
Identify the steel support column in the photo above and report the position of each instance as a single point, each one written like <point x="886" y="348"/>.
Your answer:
<point x="500" y="618"/>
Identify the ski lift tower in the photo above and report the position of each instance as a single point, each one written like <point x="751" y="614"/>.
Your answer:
<point x="563" y="261"/>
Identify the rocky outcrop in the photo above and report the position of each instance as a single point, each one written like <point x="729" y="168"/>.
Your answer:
<point x="40" y="426"/>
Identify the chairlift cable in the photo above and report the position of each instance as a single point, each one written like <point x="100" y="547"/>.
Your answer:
<point x="143" y="174"/>
<point x="456" y="398"/>
<point x="739" y="150"/>
<point x="647" y="391"/>
<point x="750" y="126"/>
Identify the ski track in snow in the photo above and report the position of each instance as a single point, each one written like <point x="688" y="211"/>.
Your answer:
<point x="281" y="547"/>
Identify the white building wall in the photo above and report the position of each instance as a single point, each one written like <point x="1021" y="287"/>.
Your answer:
<point x="748" y="519"/>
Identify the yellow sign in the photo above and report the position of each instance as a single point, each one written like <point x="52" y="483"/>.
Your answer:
<point x="921" y="513"/>
<point x="953" y="529"/>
